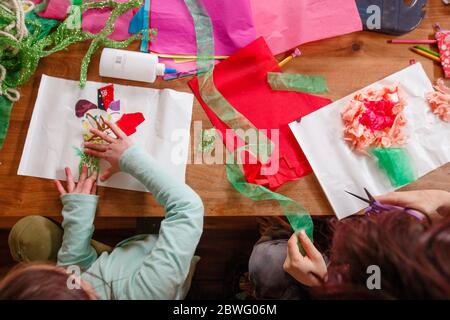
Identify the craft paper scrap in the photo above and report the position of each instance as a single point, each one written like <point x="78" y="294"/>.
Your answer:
<point x="340" y="169"/>
<point x="232" y="25"/>
<point x="129" y="122"/>
<point x="286" y="24"/>
<point x="55" y="130"/>
<point x="242" y="80"/>
<point x="297" y="82"/>
<point x="93" y="20"/>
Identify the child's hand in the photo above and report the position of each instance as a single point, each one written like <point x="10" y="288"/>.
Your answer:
<point x="111" y="151"/>
<point x="86" y="185"/>
<point x="430" y="202"/>
<point x="308" y="269"/>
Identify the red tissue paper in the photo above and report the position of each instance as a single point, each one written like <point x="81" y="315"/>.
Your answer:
<point x="129" y="122"/>
<point x="242" y="80"/>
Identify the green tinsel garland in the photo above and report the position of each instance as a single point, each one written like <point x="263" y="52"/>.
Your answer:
<point x="21" y="58"/>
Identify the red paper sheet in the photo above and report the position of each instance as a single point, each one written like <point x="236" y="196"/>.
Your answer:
<point x="242" y="80"/>
<point x="129" y="122"/>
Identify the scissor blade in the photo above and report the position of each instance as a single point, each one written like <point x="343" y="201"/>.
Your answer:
<point x="371" y="198"/>
<point x="360" y="198"/>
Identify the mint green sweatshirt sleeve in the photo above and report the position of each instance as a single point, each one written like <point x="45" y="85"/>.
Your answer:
<point x="164" y="271"/>
<point x="78" y="213"/>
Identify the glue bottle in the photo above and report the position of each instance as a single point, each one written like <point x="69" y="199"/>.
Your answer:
<point x="131" y="65"/>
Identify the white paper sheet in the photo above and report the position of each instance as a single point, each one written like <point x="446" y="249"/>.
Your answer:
<point x="55" y="130"/>
<point x="338" y="168"/>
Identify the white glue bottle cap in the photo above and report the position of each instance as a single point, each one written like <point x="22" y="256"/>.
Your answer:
<point x="160" y="68"/>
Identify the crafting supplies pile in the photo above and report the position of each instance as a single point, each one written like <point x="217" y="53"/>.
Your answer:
<point x="235" y="70"/>
<point x="25" y="38"/>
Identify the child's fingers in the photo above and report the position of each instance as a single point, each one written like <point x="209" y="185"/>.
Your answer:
<point x="292" y="248"/>
<point x="102" y="135"/>
<point x="117" y="131"/>
<point x="309" y="247"/>
<point x="96" y="146"/>
<point x="83" y="176"/>
<point x="94" y="189"/>
<point x="89" y="183"/>
<point x="60" y="187"/>
<point x="70" y="182"/>
<point x="107" y="174"/>
<point x="94" y="153"/>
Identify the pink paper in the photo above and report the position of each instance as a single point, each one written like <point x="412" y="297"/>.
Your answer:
<point x="232" y="22"/>
<point x="94" y="20"/>
<point x="56" y="9"/>
<point x="286" y="24"/>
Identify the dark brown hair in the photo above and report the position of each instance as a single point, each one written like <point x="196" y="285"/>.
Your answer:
<point x="413" y="257"/>
<point x="33" y="281"/>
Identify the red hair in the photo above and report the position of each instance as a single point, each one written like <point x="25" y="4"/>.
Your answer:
<point x="413" y="257"/>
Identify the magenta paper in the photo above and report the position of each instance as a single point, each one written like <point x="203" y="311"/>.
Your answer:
<point x="232" y="22"/>
<point x="93" y="20"/>
<point x="286" y="24"/>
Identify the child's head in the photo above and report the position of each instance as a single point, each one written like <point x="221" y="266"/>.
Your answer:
<point x="42" y="282"/>
<point x="413" y="258"/>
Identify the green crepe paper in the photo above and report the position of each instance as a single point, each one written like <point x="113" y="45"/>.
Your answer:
<point x="42" y="26"/>
<point x="21" y="58"/>
<point x="297" y="82"/>
<point x="5" y="112"/>
<point x="396" y="162"/>
<point x="297" y="215"/>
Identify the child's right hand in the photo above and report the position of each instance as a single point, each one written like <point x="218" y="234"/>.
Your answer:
<point x="430" y="202"/>
<point x="111" y="151"/>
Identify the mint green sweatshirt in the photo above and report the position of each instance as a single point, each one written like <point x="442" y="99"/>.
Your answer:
<point x="146" y="267"/>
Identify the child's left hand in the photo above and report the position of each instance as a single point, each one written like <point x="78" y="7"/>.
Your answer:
<point x="310" y="269"/>
<point x="85" y="185"/>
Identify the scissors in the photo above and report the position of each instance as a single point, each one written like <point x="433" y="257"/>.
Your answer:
<point x="376" y="207"/>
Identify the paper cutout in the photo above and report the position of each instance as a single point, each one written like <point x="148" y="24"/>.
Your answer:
<point x="338" y="168"/>
<point x="129" y="122"/>
<point x="286" y="24"/>
<point x="107" y="96"/>
<point x="296" y="82"/>
<point x="443" y="38"/>
<point x="82" y="106"/>
<point x="440" y="100"/>
<point x="396" y="162"/>
<point x="114" y="106"/>
<point x="242" y="80"/>
<point x="176" y="32"/>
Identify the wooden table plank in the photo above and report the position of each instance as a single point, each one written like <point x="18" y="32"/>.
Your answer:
<point x="349" y="63"/>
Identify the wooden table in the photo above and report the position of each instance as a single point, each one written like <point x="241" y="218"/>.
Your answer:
<point x="348" y="62"/>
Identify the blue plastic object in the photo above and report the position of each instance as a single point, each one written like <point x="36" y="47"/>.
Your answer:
<point x="395" y="17"/>
<point x="170" y="70"/>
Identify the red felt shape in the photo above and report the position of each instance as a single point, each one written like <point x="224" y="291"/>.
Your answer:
<point x="129" y="122"/>
<point x="107" y="94"/>
<point x="242" y="80"/>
